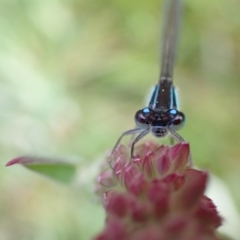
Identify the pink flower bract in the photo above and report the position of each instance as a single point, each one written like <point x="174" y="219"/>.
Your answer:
<point x="157" y="195"/>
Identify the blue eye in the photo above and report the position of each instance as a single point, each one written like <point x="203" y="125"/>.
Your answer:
<point x="146" y="110"/>
<point x="178" y="122"/>
<point x="173" y="111"/>
<point x="144" y="117"/>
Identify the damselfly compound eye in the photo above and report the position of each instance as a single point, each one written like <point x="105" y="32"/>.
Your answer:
<point x="178" y="121"/>
<point x="144" y="117"/>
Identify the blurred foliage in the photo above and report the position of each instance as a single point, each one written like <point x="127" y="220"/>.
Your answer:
<point x="60" y="170"/>
<point x="74" y="72"/>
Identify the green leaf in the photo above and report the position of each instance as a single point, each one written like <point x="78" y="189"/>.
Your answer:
<point x="60" y="170"/>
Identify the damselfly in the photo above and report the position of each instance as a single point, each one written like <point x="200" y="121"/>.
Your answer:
<point x="161" y="116"/>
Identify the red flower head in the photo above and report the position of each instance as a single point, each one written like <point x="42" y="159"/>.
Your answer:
<point x="156" y="196"/>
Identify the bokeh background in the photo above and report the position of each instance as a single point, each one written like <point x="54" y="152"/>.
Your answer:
<point x="72" y="75"/>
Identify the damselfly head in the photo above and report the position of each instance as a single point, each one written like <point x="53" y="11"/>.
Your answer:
<point x="159" y="120"/>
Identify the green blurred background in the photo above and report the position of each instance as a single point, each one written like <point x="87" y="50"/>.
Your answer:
<point x="72" y="75"/>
